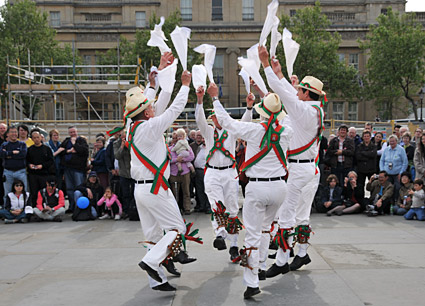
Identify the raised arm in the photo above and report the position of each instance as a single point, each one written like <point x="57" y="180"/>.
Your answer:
<point x="201" y="121"/>
<point x="247" y="116"/>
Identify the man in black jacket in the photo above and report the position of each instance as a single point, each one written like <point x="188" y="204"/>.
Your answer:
<point x="40" y="164"/>
<point x="74" y="153"/>
<point x="366" y="158"/>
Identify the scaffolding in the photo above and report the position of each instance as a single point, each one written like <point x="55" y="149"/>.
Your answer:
<point x="78" y="94"/>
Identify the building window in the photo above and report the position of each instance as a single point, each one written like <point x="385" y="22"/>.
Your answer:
<point x="186" y="9"/>
<point x="292" y="13"/>
<point x="352" y="111"/>
<point x="60" y="111"/>
<point x="98" y="17"/>
<point x="341" y="57"/>
<point x="384" y="11"/>
<point x="217" y="10"/>
<point x="116" y="111"/>
<point x="353" y="60"/>
<point x="218" y="69"/>
<point x="340" y="16"/>
<point x="55" y="19"/>
<point x="140" y="19"/>
<point x="338" y="110"/>
<point x="87" y="62"/>
<point x="247" y="9"/>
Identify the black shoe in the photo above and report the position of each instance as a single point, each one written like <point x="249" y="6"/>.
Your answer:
<point x="183" y="258"/>
<point x="124" y="216"/>
<point x="272" y="256"/>
<point x="329" y="214"/>
<point x="298" y="262"/>
<point x="219" y="243"/>
<point x="69" y="211"/>
<point x="57" y="219"/>
<point x="164" y="287"/>
<point x="275" y="270"/>
<point x="372" y="213"/>
<point x="234" y="253"/>
<point x="250" y="292"/>
<point x="291" y="253"/>
<point x="152" y="273"/>
<point x="262" y="275"/>
<point x="169" y="266"/>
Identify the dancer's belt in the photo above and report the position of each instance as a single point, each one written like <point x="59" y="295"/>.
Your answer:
<point x="219" y="168"/>
<point x="301" y="161"/>
<point x="144" y="182"/>
<point x="260" y="179"/>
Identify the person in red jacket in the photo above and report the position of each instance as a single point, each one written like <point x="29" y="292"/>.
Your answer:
<point x="50" y="202"/>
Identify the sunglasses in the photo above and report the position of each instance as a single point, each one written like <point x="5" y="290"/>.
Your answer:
<point x="19" y="185"/>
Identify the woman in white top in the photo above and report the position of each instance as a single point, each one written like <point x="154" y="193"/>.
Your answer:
<point x="16" y="202"/>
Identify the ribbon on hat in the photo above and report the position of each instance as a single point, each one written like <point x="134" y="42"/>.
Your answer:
<point x="125" y="117"/>
<point x="324" y="99"/>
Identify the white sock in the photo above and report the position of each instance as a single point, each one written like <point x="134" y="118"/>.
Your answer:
<point x="302" y="249"/>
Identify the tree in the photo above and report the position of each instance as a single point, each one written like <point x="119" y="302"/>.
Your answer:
<point x="318" y="54"/>
<point x="150" y="56"/>
<point x="396" y="67"/>
<point x="24" y="29"/>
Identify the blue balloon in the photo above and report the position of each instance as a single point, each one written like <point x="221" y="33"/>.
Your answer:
<point x="83" y="202"/>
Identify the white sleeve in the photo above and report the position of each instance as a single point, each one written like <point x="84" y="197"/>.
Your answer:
<point x="247" y="116"/>
<point x="236" y="128"/>
<point x="161" y="104"/>
<point x="201" y="121"/>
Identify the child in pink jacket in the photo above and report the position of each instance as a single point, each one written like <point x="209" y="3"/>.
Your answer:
<point x="110" y="205"/>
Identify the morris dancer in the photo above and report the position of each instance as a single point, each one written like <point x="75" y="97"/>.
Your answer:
<point x="265" y="165"/>
<point x="221" y="182"/>
<point x="150" y="169"/>
<point x="307" y="118"/>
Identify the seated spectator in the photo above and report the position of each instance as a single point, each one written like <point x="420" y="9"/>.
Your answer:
<point x="404" y="200"/>
<point x="91" y="189"/>
<point x="418" y="206"/>
<point x="353" y="195"/>
<point x="331" y="196"/>
<point x="17" y="201"/>
<point x="110" y="205"/>
<point x="50" y="202"/>
<point x="381" y="194"/>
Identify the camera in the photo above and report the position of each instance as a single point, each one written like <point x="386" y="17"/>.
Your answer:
<point x="350" y="179"/>
<point x="390" y="166"/>
<point x="376" y="176"/>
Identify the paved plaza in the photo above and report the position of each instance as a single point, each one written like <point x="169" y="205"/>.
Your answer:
<point x="356" y="260"/>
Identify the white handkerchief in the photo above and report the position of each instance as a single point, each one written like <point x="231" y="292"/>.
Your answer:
<point x="245" y="78"/>
<point x="268" y="24"/>
<point x="199" y="76"/>
<point x="167" y="77"/>
<point x="250" y="67"/>
<point x="154" y="68"/>
<point x="252" y="54"/>
<point x="209" y="57"/>
<point x="276" y="37"/>
<point x="179" y="37"/>
<point x="158" y="38"/>
<point x="291" y="48"/>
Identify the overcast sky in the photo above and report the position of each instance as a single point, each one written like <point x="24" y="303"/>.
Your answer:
<point x="412" y="5"/>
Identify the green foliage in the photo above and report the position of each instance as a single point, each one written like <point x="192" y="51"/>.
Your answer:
<point x="396" y="67"/>
<point x="150" y="56"/>
<point x="23" y="30"/>
<point x="318" y="54"/>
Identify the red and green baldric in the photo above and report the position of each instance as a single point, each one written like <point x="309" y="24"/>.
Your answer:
<point x="159" y="179"/>
<point x="269" y="141"/>
<point x="125" y="117"/>
<point x="219" y="146"/>
<point x="316" y="139"/>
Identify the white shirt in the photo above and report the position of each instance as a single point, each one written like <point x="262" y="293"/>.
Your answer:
<point x="305" y="119"/>
<point x="201" y="157"/>
<point x="218" y="159"/>
<point x="149" y="138"/>
<point x="270" y="165"/>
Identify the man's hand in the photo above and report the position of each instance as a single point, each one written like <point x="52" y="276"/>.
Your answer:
<point x="60" y="150"/>
<point x="15" y="151"/>
<point x="72" y="150"/>
<point x="166" y="59"/>
<point x="179" y="159"/>
<point x="200" y="92"/>
<point x="259" y="91"/>
<point x="212" y="90"/>
<point x="250" y="99"/>
<point x="327" y="204"/>
<point x="294" y="80"/>
<point x="379" y="203"/>
<point x="277" y="68"/>
<point x="339" y="152"/>
<point x="151" y="78"/>
<point x="264" y="56"/>
<point x="186" y="78"/>
<point x="89" y="194"/>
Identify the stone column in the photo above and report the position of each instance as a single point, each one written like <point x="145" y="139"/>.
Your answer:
<point x="232" y="74"/>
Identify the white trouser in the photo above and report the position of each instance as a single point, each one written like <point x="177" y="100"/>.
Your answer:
<point x="302" y="186"/>
<point x="158" y="213"/>
<point x="222" y="185"/>
<point x="262" y="200"/>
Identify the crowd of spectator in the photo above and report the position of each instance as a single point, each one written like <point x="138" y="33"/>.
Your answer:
<point x="389" y="167"/>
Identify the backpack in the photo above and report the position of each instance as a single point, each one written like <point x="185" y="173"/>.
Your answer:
<point x="133" y="215"/>
<point x="82" y="214"/>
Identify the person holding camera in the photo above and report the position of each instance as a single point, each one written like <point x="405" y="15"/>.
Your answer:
<point x="353" y="195"/>
<point x="404" y="200"/>
<point x="381" y="194"/>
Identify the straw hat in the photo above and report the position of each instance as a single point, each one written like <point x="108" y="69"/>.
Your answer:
<point x="136" y="102"/>
<point x="270" y="104"/>
<point x="312" y="84"/>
